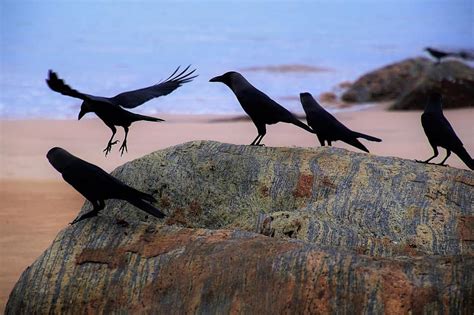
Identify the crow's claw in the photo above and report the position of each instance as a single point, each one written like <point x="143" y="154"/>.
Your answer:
<point x="123" y="147"/>
<point x="109" y="147"/>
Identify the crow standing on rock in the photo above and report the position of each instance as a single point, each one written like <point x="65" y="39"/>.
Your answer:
<point x="96" y="185"/>
<point x="439" y="132"/>
<point x="109" y="109"/>
<point x="437" y="54"/>
<point x="440" y="54"/>
<point x="261" y="108"/>
<point x="327" y="127"/>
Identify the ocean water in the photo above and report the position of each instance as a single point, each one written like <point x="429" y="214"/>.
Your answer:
<point x="107" y="47"/>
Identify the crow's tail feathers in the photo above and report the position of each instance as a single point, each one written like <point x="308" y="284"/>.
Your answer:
<point x="465" y="157"/>
<point x="302" y="125"/>
<point x="139" y="203"/>
<point x="146" y="197"/>
<point x="367" y="137"/>
<point x="147" y="118"/>
<point x="356" y="143"/>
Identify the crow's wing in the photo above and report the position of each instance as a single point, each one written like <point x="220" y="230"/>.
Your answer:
<point x="91" y="180"/>
<point x="259" y="105"/>
<point x="58" y="85"/>
<point x="135" y="98"/>
<point x="439" y="131"/>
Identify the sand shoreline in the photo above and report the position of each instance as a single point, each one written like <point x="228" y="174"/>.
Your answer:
<point x="36" y="204"/>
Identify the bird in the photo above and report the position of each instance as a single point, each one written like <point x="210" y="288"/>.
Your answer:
<point x="259" y="106"/>
<point x="440" y="133"/>
<point x="327" y="127"/>
<point x="96" y="185"/>
<point x="111" y="109"/>
<point x="438" y="54"/>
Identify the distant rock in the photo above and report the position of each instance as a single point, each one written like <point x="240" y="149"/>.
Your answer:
<point x="454" y="79"/>
<point x="388" y="82"/>
<point x="266" y="230"/>
<point x="328" y="97"/>
<point x="409" y="82"/>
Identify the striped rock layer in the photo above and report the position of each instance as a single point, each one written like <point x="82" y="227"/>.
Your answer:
<point x="268" y="230"/>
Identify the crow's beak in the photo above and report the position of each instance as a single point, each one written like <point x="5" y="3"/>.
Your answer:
<point x="81" y="114"/>
<point x="216" y="79"/>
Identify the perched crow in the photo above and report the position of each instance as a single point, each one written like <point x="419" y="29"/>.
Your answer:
<point x="439" y="132"/>
<point x="110" y="110"/>
<point x="261" y="108"/>
<point x="96" y="185"/>
<point x="327" y="127"/>
<point x="438" y="54"/>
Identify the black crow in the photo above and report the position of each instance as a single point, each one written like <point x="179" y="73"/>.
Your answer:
<point x="110" y="110"/>
<point x="327" y="127"/>
<point x="96" y="185"/>
<point x="439" y="132"/>
<point x="261" y="108"/>
<point x="438" y="54"/>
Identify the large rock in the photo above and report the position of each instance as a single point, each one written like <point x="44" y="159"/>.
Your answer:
<point x="387" y="83"/>
<point x="453" y="79"/>
<point x="342" y="231"/>
<point x="409" y="83"/>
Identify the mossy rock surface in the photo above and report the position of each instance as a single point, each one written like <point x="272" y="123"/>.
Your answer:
<point x="270" y="230"/>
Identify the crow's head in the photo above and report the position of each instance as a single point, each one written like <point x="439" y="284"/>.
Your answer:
<point x="86" y="107"/>
<point x="227" y="78"/>
<point x="310" y="105"/>
<point x="59" y="158"/>
<point x="435" y="97"/>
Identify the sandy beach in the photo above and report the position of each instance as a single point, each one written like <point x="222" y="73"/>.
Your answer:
<point x="36" y="204"/>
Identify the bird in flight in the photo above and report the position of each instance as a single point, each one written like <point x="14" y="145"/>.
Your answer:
<point x="111" y="109"/>
<point x="439" y="132"/>
<point x="96" y="185"/>
<point x="261" y="108"/>
<point x="327" y="127"/>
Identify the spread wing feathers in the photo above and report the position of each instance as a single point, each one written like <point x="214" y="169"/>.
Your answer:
<point x="135" y="98"/>
<point x="58" y="85"/>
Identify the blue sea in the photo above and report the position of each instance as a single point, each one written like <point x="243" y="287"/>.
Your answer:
<point x="106" y="47"/>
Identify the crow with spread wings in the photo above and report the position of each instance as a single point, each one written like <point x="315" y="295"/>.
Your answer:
<point x="111" y="109"/>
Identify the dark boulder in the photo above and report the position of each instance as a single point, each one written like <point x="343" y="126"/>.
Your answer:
<point x="409" y="82"/>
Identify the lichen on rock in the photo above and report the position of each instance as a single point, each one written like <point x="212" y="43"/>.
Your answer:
<point x="270" y="230"/>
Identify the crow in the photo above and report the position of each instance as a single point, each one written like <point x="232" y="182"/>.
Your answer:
<point x="109" y="109"/>
<point x="96" y="185"/>
<point x="327" y="127"/>
<point x="439" y="132"/>
<point x="261" y="108"/>
<point x="438" y="54"/>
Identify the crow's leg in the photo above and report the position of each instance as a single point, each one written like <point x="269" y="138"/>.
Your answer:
<point x="255" y="140"/>
<point x="110" y="144"/>
<point x="98" y="205"/>
<point x="329" y="143"/>
<point x="258" y="142"/>
<point x="448" y="153"/>
<point x="262" y="131"/>
<point x="435" y="151"/>
<point x="321" y="141"/>
<point x="124" y="144"/>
